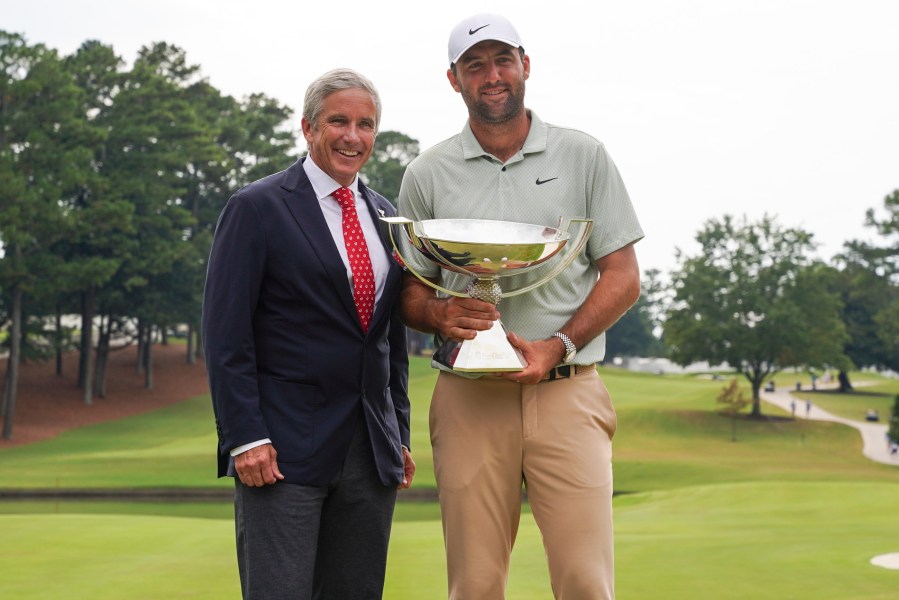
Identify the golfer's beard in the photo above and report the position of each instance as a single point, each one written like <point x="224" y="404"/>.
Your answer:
<point x="497" y="114"/>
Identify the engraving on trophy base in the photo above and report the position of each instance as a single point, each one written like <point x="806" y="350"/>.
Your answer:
<point x="489" y="351"/>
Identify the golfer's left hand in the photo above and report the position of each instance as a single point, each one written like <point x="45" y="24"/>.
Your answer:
<point x="540" y="355"/>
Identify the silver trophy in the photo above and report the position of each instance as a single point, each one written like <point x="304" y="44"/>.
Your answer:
<point x="488" y="250"/>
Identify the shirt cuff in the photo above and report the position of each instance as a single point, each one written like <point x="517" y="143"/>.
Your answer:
<point x="250" y="446"/>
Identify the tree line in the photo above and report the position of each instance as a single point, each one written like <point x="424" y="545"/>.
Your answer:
<point x="755" y="298"/>
<point x="112" y="178"/>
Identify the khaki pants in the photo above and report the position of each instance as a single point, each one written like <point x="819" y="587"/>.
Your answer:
<point x="490" y="435"/>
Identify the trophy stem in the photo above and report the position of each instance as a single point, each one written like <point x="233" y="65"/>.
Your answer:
<point x="489" y="350"/>
<point x="486" y="289"/>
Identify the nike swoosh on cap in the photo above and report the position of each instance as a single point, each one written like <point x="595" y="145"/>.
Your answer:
<point x="474" y="31"/>
<point x="539" y="182"/>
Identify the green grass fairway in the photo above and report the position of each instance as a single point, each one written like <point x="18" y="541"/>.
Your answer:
<point x="791" y="509"/>
<point x="758" y="540"/>
<point x="737" y="542"/>
<point x="670" y="436"/>
<point x="133" y="557"/>
<point x="170" y="447"/>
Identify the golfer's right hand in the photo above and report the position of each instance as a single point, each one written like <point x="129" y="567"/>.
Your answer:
<point x="462" y="318"/>
<point x="258" y="466"/>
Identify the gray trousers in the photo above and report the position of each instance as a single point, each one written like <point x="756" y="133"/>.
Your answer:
<point x="303" y="542"/>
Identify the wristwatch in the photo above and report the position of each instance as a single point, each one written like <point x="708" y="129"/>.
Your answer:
<point x="570" y="348"/>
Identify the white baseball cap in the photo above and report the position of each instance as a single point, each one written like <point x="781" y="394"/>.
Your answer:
<point x="478" y="28"/>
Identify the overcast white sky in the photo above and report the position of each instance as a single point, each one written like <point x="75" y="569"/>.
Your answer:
<point x="708" y="107"/>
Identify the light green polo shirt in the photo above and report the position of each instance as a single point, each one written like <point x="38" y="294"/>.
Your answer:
<point x="559" y="172"/>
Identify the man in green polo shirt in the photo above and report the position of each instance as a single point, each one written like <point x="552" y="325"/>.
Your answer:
<point x="549" y="426"/>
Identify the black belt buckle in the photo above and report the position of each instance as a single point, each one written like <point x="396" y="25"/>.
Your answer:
<point x="560" y="372"/>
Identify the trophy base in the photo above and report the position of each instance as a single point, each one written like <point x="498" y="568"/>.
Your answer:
<point x="488" y="352"/>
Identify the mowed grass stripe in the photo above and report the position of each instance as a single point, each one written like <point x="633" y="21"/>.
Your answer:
<point x="789" y="510"/>
<point x="669" y="435"/>
<point x="734" y="541"/>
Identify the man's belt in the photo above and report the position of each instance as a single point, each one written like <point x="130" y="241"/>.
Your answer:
<point x="566" y="371"/>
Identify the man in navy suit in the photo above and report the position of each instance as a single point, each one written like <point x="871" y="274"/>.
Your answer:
<point x="308" y="379"/>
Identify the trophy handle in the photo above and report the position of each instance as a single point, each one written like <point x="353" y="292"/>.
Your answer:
<point x="407" y="223"/>
<point x="579" y="243"/>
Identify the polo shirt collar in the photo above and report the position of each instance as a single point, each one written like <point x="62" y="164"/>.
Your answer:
<point x="535" y="142"/>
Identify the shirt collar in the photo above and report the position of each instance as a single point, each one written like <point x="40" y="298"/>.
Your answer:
<point x="535" y="142"/>
<point x="322" y="183"/>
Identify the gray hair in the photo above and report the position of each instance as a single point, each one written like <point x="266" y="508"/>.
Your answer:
<point x="334" y="81"/>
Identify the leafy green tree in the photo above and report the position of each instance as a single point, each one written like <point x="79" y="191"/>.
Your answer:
<point x="868" y="284"/>
<point x="634" y="333"/>
<point x="887" y="321"/>
<point x="253" y="139"/>
<point x="752" y="298"/>
<point x="111" y="182"/>
<point x="886" y="259"/>
<point x="865" y="297"/>
<point x="159" y="142"/>
<point x="174" y="150"/>
<point x="384" y="171"/>
<point x="105" y="229"/>
<point x="259" y="139"/>
<point x="42" y="159"/>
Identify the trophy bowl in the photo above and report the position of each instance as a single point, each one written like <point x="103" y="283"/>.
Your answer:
<point x="487" y="251"/>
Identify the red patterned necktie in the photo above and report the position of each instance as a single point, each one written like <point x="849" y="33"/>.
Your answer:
<point x="357" y="252"/>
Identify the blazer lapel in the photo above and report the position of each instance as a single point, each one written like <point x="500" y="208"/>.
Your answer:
<point x="300" y="199"/>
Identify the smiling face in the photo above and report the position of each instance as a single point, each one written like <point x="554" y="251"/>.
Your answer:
<point x="342" y="140"/>
<point x="490" y="76"/>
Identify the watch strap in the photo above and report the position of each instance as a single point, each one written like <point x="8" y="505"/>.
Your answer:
<point x="570" y="348"/>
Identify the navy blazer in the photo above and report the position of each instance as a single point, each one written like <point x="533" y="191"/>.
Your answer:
<point x="285" y="354"/>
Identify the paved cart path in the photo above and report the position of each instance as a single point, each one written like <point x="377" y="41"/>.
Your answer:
<point x="873" y="434"/>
